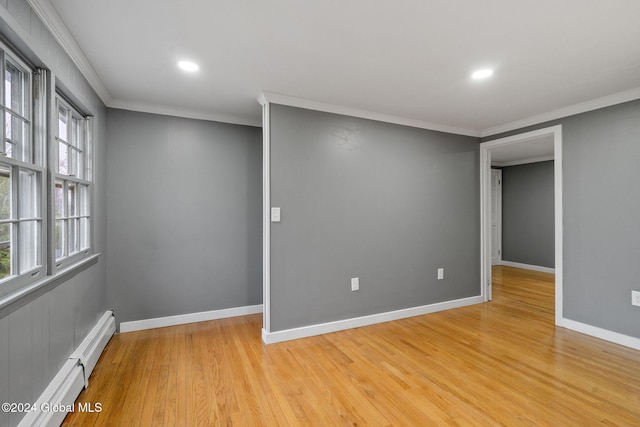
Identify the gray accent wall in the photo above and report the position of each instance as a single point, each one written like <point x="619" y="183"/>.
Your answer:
<point x="528" y="231"/>
<point x="386" y="203"/>
<point x="601" y="203"/>
<point x="184" y="215"/>
<point x="39" y="332"/>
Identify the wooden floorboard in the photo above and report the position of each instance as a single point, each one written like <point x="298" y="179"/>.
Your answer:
<point x="499" y="363"/>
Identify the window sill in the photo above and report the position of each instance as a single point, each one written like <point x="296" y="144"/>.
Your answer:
<point x="14" y="300"/>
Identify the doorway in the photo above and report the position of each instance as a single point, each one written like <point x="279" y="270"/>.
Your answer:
<point x="514" y="144"/>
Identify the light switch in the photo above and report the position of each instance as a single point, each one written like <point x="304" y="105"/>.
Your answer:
<point x="275" y="214"/>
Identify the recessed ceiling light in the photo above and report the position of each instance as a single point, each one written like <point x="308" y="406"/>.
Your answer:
<point x="188" y="66"/>
<point x="482" y="74"/>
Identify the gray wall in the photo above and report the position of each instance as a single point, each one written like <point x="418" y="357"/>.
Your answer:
<point x="38" y="333"/>
<point x="528" y="231"/>
<point x="386" y="203"/>
<point x="184" y="215"/>
<point x="601" y="154"/>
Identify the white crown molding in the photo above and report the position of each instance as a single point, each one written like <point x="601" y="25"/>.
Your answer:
<point x="523" y="161"/>
<point x="182" y="112"/>
<point x="49" y="16"/>
<point x="594" y="104"/>
<point x="292" y="101"/>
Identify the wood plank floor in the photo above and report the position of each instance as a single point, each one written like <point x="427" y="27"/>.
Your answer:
<point x="500" y="363"/>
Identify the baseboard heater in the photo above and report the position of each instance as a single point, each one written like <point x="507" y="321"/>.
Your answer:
<point x="72" y="378"/>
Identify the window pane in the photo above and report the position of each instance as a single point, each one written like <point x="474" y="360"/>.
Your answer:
<point x="29" y="237"/>
<point x="14" y="88"/>
<point x="83" y="200"/>
<point x="71" y="199"/>
<point x="8" y="135"/>
<point x="63" y="132"/>
<point x="28" y="206"/>
<point x="81" y="171"/>
<point x="72" y="161"/>
<point x="73" y="236"/>
<point x="5" y="250"/>
<point x="74" y="132"/>
<point x="5" y="193"/>
<point x="59" y="200"/>
<point x="62" y="158"/>
<point x="59" y="236"/>
<point x="8" y="148"/>
<point x="17" y="143"/>
<point x="84" y="233"/>
<point x="74" y="151"/>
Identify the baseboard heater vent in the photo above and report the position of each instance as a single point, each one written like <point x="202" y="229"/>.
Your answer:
<point x="73" y="377"/>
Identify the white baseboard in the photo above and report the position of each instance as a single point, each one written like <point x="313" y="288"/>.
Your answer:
<point x="528" y="266"/>
<point x="341" y="325"/>
<point x="181" y="319"/>
<point x="59" y="397"/>
<point x="603" y="334"/>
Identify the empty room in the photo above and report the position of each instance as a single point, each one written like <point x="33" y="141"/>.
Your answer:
<point x="282" y="213"/>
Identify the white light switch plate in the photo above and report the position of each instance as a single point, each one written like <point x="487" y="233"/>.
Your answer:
<point x="355" y="283"/>
<point x="275" y="214"/>
<point x="635" y="298"/>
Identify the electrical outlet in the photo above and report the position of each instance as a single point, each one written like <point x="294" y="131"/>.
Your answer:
<point x="635" y="298"/>
<point x="355" y="284"/>
<point x="440" y="273"/>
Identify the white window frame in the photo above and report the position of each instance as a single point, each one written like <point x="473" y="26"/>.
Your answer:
<point x="32" y="117"/>
<point x="83" y="178"/>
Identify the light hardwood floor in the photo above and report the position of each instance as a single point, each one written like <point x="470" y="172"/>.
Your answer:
<point x="500" y="363"/>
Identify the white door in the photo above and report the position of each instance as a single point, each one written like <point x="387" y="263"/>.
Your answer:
<point x="496" y="216"/>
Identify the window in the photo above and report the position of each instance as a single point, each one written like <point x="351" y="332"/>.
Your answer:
<point x="21" y="176"/>
<point x="45" y="177"/>
<point x="72" y="182"/>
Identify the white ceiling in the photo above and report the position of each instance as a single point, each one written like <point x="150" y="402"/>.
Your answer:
<point x="406" y="58"/>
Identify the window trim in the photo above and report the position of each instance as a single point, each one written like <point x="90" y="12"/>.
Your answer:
<point x="58" y="97"/>
<point x="15" y="299"/>
<point x="35" y="116"/>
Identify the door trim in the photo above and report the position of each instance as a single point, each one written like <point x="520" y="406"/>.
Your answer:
<point x="485" y="209"/>
<point x="498" y="216"/>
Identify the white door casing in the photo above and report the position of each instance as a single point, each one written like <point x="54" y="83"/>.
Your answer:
<point x="496" y="216"/>
<point x="485" y="209"/>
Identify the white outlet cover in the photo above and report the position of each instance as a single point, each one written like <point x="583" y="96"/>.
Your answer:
<point x="355" y="284"/>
